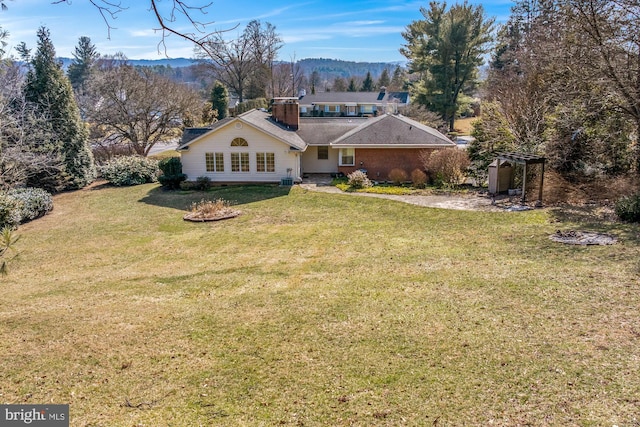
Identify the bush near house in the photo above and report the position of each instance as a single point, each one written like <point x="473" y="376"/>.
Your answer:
<point x="20" y="205"/>
<point x="172" y="174"/>
<point x="447" y="166"/>
<point x="129" y="170"/>
<point x="418" y="178"/>
<point x="398" y="176"/>
<point x="359" y="179"/>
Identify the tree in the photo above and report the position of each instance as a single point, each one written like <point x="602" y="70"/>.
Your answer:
<point x="50" y="92"/>
<point x="384" y="80"/>
<point x="352" y="85"/>
<point x="24" y="135"/>
<point x="243" y="64"/>
<point x="367" y="84"/>
<point x="314" y="81"/>
<point x="607" y="50"/>
<point x="265" y="43"/>
<point x="220" y="100"/>
<point x="446" y="48"/>
<point x="397" y="81"/>
<point x="84" y="59"/>
<point x="339" y="85"/>
<point x="138" y="109"/>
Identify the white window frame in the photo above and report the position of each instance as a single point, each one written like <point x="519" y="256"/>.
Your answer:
<point x="344" y="152"/>
<point x="265" y="157"/>
<point x="218" y="166"/>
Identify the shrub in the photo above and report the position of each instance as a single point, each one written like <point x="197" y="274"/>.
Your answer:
<point x="448" y="165"/>
<point x="398" y="176"/>
<point x="359" y="179"/>
<point x="202" y="183"/>
<point x="129" y="170"/>
<point x="418" y="178"/>
<point x="31" y="203"/>
<point x="628" y="208"/>
<point x="9" y="212"/>
<point x="172" y="175"/>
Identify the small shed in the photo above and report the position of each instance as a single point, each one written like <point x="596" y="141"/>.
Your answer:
<point x="500" y="176"/>
<point x="526" y="160"/>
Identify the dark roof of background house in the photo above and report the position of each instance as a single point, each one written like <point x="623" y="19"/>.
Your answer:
<point x="357" y="97"/>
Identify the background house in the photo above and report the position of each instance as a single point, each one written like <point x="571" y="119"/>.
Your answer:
<point x="352" y="104"/>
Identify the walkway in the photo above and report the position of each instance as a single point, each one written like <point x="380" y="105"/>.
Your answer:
<point x="468" y="202"/>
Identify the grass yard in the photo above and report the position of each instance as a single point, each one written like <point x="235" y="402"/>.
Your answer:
<point x="318" y="309"/>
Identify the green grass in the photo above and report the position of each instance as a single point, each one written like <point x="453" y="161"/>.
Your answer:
<point x="318" y="309"/>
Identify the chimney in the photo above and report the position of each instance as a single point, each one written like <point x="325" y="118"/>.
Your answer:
<point x="286" y="111"/>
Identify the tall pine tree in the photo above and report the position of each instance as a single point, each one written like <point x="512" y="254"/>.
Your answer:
<point x="367" y="84"/>
<point x="50" y="92"/>
<point x="84" y="58"/>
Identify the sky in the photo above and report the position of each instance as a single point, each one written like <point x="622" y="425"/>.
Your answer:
<point x="350" y="30"/>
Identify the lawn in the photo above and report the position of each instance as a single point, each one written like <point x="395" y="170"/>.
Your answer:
<point x="319" y="310"/>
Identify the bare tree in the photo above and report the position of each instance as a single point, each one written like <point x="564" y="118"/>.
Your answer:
<point x="244" y="64"/>
<point x="232" y="61"/>
<point x="137" y="108"/>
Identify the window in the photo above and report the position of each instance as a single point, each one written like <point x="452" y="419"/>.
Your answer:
<point x="239" y="142"/>
<point x="323" y="153"/>
<point x="347" y="156"/>
<point x="215" y="162"/>
<point x="265" y="162"/>
<point x="331" y="108"/>
<point x="239" y="162"/>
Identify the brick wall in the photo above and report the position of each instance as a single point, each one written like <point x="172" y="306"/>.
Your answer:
<point x="379" y="162"/>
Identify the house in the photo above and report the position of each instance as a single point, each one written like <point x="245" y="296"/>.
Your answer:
<point x="352" y="104"/>
<point x="261" y="147"/>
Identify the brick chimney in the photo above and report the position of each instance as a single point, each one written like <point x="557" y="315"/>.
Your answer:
<point x="286" y="111"/>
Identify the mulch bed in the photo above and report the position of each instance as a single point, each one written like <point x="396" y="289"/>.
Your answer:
<point x="573" y="237"/>
<point x="196" y="217"/>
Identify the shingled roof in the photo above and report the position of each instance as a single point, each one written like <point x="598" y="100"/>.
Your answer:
<point x="256" y="118"/>
<point x="321" y="131"/>
<point x="354" y="97"/>
<point x="393" y="130"/>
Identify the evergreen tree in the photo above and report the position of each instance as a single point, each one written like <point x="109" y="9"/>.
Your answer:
<point x="84" y="58"/>
<point x="384" y="80"/>
<point x="49" y="90"/>
<point x="446" y="48"/>
<point x="220" y="100"/>
<point x="352" y="86"/>
<point x="367" y="84"/>
<point x="397" y="81"/>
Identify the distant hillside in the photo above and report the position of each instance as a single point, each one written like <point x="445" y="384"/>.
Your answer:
<point x="332" y="68"/>
<point x="172" y="62"/>
<point x="329" y="69"/>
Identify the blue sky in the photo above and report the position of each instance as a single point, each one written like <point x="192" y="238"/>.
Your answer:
<point x="351" y="30"/>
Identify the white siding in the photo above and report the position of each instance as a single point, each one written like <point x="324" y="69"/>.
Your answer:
<point x="219" y="141"/>
<point x="311" y="164"/>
